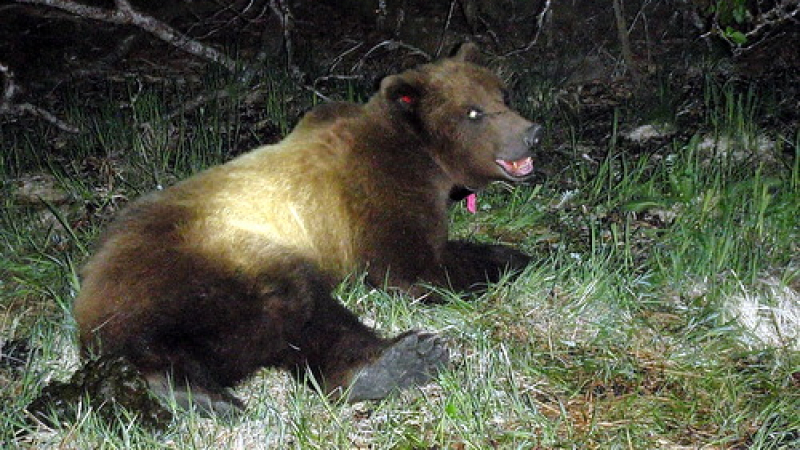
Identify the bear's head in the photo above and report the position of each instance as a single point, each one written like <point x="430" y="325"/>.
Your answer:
<point x="460" y="111"/>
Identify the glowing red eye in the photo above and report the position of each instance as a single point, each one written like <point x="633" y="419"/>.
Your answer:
<point x="407" y="99"/>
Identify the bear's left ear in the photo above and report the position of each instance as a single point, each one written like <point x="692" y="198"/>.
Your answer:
<point x="468" y="52"/>
<point x="402" y="92"/>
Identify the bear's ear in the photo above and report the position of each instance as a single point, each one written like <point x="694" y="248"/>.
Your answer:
<point x="402" y="92"/>
<point x="467" y="52"/>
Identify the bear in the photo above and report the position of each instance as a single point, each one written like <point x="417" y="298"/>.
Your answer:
<point x="232" y="270"/>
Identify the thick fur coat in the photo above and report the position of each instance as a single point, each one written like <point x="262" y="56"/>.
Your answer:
<point x="231" y="270"/>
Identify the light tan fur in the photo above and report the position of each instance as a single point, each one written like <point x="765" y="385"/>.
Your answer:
<point x="264" y="197"/>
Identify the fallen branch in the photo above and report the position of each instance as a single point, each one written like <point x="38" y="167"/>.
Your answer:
<point x="124" y="14"/>
<point x="9" y="108"/>
<point x="540" y="23"/>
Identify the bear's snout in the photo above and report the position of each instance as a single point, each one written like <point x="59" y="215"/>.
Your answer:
<point x="533" y="135"/>
<point x="516" y="162"/>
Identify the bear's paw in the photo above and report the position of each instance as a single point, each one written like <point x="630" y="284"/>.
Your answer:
<point x="411" y="361"/>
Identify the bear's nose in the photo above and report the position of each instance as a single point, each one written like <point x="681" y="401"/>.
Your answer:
<point x="533" y="135"/>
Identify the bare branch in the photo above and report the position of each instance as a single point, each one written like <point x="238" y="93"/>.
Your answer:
<point x="125" y="14"/>
<point x="281" y="9"/>
<point x="252" y="12"/>
<point x="47" y="116"/>
<point x="9" y="108"/>
<point x="540" y="23"/>
<point x="339" y="58"/>
<point x="787" y="12"/>
<point x="391" y="45"/>
<point x="444" y="30"/>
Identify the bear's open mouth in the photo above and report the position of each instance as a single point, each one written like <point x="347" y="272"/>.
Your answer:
<point x="517" y="169"/>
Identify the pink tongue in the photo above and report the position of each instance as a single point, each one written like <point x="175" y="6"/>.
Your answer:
<point x="472" y="203"/>
<point x="518" y="168"/>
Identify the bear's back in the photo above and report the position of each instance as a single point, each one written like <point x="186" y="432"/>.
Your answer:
<point x="286" y="197"/>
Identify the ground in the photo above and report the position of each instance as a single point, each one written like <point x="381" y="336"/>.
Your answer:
<point x="662" y="312"/>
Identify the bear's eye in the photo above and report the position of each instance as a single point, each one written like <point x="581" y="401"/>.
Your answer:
<point x="475" y="114"/>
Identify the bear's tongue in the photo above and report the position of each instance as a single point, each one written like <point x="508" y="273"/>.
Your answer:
<point x="519" y="168"/>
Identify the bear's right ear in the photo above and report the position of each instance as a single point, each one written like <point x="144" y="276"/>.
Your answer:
<point x="402" y="92"/>
<point x="467" y="52"/>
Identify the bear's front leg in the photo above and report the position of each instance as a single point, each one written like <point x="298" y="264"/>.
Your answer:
<point x="470" y="267"/>
<point x="407" y="262"/>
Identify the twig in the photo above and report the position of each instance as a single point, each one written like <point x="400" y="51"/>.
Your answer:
<point x="232" y="22"/>
<point x="337" y="77"/>
<point x="281" y="9"/>
<point x="197" y="102"/>
<point x="392" y="45"/>
<point x="341" y="56"/>
<point x="9" y="108"/>
<point x="316" y="92"/>
<point x="490" y="31"/>
<point x="785" y="13"/>
<point x="125" y="14"/>
<point x="446" y="27"/>
<point x="539" y="28"/>
<point x="770" y="21"/>
<point x="641" y="15"/>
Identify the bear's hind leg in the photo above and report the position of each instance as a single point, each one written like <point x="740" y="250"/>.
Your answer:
<point x="208" y="402"/>
<point x="180" y="378"/>
<point x="192" y="354"/>
<point x="350" y="361"/>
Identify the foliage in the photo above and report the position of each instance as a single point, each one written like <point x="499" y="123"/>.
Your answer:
<point x="743" y="24"/>
<point x="731" y="15"/>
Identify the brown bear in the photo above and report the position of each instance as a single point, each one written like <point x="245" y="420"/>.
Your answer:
<point x="231" y="270"/>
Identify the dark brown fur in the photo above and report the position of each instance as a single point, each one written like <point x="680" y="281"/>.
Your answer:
<point x="232" y="270"/>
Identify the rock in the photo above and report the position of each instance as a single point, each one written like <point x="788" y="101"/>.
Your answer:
<point x="38" y="189"/>
<point x="650" y="132"/>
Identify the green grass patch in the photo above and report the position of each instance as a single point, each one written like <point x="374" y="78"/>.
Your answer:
<point x="658" y="313"/>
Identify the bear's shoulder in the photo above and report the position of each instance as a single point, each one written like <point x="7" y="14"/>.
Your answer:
<point x="331" y="112"/>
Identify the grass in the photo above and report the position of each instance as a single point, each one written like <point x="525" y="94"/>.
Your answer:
<point x="628" y="332"/>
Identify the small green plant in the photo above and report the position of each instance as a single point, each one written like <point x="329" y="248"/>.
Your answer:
<point x="729" y="16"/>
